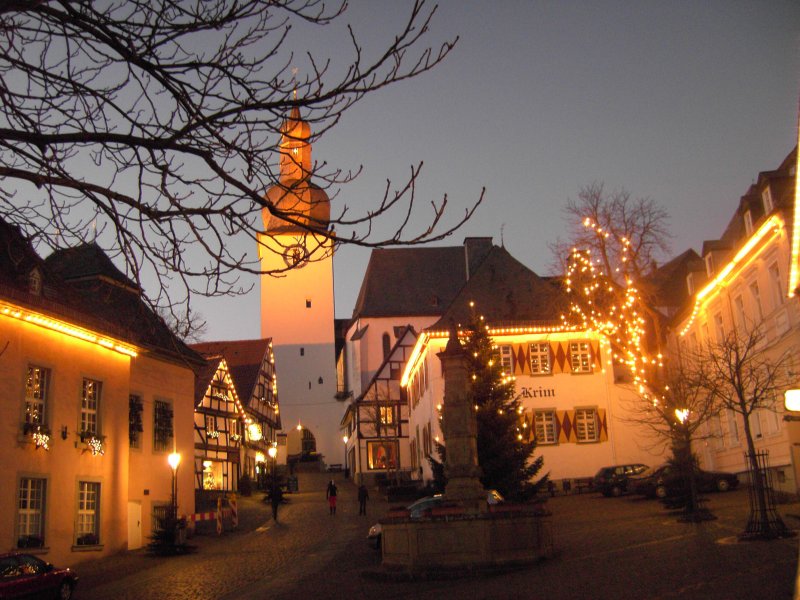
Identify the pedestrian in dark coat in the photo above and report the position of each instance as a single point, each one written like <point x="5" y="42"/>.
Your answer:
<point x="330" y="494"/>
<point x="363" y="496"/>
<point x="275" y="499"/>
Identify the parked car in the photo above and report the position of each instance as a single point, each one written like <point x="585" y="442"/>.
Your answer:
<point x="613" y="480"/>
<point x="26" y="576"/>
<point x="664" y="481"/>
<point x="420" y="508"/>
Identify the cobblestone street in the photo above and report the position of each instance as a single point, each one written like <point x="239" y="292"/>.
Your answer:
<point x="607" y="548"/>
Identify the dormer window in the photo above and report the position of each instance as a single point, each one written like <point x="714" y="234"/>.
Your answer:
<point x="748" y="223"/>
<point x="709" y="265"/>
<point x="35" y="282"/>
<point x="690" y="283"/>
<point x="766" y="199"/>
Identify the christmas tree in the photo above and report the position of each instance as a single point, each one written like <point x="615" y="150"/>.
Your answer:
<point x="505" y="457"/>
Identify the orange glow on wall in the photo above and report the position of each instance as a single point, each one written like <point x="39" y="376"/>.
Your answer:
<point x="28" y="316"/>
<point x="794" y="267"/>
<point x="771" y="228"/>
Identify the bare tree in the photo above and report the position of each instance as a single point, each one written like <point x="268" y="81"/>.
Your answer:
<point x="675" y="409"/>
<point x="153" y="126"/>
<point x="745" y="379"/>
<point x="626" y="235"/>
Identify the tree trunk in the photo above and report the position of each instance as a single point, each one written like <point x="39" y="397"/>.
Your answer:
<point x="759" y="477"/>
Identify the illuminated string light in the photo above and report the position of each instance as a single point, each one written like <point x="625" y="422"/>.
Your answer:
<point x="9" y="310"/>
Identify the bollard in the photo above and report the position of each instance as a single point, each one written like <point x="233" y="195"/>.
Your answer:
<point x="234" y="511"/>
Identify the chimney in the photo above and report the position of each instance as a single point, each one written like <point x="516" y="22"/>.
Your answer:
<point x="475" y="250"/>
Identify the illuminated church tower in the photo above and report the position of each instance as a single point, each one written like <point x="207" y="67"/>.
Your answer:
<point x="297" y="309"/>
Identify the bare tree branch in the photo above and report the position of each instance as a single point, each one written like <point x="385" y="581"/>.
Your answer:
<point x="153" y="126"/>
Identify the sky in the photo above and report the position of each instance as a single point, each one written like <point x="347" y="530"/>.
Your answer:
<point x="682" y="102"/>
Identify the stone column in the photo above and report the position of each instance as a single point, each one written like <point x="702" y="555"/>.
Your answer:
<point x="460" y="429"/>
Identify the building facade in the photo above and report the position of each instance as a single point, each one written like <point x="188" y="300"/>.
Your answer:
<point x="565" y="381"/>
<point x="252" y="369"/>
<point x="98" y="393"/>
<point x="741" y="283"/>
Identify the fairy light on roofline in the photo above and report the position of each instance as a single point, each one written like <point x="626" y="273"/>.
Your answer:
<point x="15" y="312"/>
<point x="771" y="227"/>
<point x="794" y="268"/>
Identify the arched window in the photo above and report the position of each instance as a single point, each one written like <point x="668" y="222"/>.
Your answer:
<point x="387" y="346"/>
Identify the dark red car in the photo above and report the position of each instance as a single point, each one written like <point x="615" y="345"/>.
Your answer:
<point x="26" y="576"/>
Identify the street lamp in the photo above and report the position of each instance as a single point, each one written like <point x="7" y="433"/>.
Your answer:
<point x="344" y="439"/>
<point x="174" y="460"/>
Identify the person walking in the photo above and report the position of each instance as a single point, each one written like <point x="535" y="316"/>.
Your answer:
<point x="363" y="496"/>
<point x="330" y="494"/>
<point x="275" y="499"/>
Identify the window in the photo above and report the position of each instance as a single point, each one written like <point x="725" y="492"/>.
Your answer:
<point x="540" y="358"/>
<point x="302" y="351"/>
<point x="35" y="282"/>
<point x="748" y="223"/>
<point x="709" y="265"/>
<point x="756" y="294"/>
<point x="387" y="344"/>
<point x="507" y="358"/>
<point x="755" y="424"/>
<point x="716" y="431"/>
<point x="775" y="285"/>
<point x="690" y="283"/>
<point x="720" y="327"/>
<point x="386" y="415"/>
<point x="580" y="357"/>
<point x="308" y="303"/>
<point x="35" y="397"/>
<point x="586" y="429"/>
<point x="544" y="422"/>
<point x="30" y="513"/>
<point x="135" y="427"/>
<point x="90" y="403"/>
<point x="766" y="199"/>
<point x="733" y="428"/>
<point x="88" y="525"/>
<point x="381" y="455"/>
<point x="162" y="426"/>
<point x="741" y="314"/>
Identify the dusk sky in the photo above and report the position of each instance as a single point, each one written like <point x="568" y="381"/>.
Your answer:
<point x="682" y="102"/>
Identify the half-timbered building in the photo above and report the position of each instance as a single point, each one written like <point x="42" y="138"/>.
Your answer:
<point x="252" y="370"/>
<point x="376" y="422"/>
<point x="218" y="428"/>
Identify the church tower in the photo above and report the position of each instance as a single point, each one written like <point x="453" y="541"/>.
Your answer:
<point x="297" y="305"/>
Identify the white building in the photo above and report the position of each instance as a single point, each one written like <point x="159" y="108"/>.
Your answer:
<point x="743" y="281"/>
<point x="565" y="380"/>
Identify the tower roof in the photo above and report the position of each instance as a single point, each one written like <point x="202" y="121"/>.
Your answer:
<point x="304" y="204"/>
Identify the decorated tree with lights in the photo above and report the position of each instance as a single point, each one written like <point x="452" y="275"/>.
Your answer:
<point x="608" y="273"/>
<point x="505" y="458"/>
<point x="504" y="455"/>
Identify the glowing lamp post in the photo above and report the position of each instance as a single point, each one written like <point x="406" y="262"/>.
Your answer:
<point x="791" y="401"/>
<point x="174" y="460"/>
<point x="344" y="439"/>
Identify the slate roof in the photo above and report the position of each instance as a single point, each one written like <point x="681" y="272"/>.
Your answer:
<point x="669" y="281"/>
<point x="506" y="292"/>
<point x="411" y="281"/>
<point x="108" y="294"/>
<point x="82" y="286"/>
